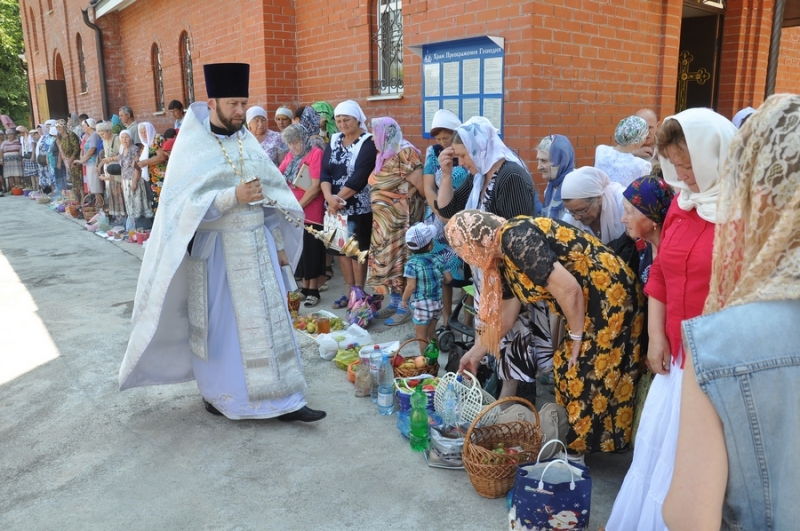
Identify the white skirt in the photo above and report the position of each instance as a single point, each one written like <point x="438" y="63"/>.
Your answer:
<point x="638" y="504"/>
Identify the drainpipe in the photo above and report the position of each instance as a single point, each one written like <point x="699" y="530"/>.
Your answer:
<point x="101" y="62"/>
<point x="774" y="47"/>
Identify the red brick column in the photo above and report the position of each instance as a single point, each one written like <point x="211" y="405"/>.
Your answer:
<point x="745" y="53"/>
<point x="789" y="61"/>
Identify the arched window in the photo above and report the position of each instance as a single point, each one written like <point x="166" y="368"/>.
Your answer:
<point x="158" y="78"/>
<point x="187" y="73"/>
<point x="59" y="67"/>
<point x="81" y="63"/>
<point x="388" y="47"/>
<point x="32" y="23"/>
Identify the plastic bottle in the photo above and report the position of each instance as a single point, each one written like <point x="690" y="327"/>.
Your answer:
<point x="386" y="387"/>
<point x="419" y="420"/>
<point x="432" y="352"/>
<point x="450" y="405"/>
<point x="374" y="366"/>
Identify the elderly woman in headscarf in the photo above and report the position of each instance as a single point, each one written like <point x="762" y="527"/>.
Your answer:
<point x="443" y="127"/>
<point x="327" y="123"/>
<point x="284" y="117"/>
<point x="309" y="119"/>
<point x="69" y="146"/>
<point x="593" y="203"/>
<point x="46" y="178"/>
<point x="271" y="142"/>
<point x="739" y="416"/>
<point x="347" y="164"/>
<point x="152" y="161"/>
<point x="619" y="162"/>
<point x="556" y="158"/>
<point x="538" y="259"/>
<point x="91" y="145"/>
<point x="13" y="169"/>
<point x="134" y="187"/>
<point x="397" y="203"/>
<point x="108" y="155"/>
<point x="693" y="149"/>
<point x="304" y="157"/>
<point x="29" y="169"/>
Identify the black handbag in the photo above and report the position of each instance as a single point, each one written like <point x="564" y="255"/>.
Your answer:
<point x="113" y="169"/>
<point x="27" y="156"/>
<point x="41" y="159"/>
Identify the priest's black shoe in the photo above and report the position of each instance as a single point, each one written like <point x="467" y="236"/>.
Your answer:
<point x="305" y="414"/>
<point x="211" y="409"/>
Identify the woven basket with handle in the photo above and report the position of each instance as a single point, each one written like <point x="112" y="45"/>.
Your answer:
<point x="91" y="204"/>
<point x="405" y="373"/>
<point x="492" y="474"/>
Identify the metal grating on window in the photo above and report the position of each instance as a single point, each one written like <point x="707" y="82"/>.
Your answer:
<point x="388" y="77"/>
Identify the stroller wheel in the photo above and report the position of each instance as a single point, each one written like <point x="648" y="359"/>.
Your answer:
<point x="446" y="340"/>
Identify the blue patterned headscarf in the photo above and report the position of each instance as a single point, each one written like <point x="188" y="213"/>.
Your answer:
<point x="651" y="196"/>
<point x="562" y="155"/>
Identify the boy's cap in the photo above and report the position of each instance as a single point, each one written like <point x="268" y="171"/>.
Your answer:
<point x="420" y="235"/>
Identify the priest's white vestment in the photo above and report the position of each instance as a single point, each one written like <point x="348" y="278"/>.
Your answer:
<point x="218" y="313"/>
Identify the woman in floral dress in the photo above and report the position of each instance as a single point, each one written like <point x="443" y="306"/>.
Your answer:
<point x="597" y="364"/>
<point x="133" y="186"/>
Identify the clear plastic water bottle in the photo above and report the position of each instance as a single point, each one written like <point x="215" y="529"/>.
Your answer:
<point x="374" y="365"/>
<point x="450" y="405"/>
<point x="386" y="387"/>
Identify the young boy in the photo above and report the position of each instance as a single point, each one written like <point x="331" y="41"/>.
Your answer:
<point x="424" y="273"/>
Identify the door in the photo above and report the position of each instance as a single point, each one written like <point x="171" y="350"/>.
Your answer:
<point x="58" y="108"/>
<point x="698" y="63"/>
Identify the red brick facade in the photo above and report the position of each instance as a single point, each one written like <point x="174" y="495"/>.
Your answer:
<point x="570" y="70"/>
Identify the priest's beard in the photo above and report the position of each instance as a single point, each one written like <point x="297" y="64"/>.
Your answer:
<point x="231" y="123"/>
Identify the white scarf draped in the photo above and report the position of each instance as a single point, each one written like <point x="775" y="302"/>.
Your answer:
<point x="485" y="148"/>
<point x="147" y="141"/>
<point x="708" y="138"/>
<point x="589" y="182"/>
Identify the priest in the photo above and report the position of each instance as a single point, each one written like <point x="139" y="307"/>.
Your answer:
<point x="211" y="300"/>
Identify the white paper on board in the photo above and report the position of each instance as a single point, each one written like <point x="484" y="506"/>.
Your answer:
<point x="431" y="106"/>
<point x="450" y="78"/>
<point x="471" y="107"/>
<point x="472" y="76"/>
<point x="493" y="110"/>
<point x="493" y="75"/>
<point x="432" y="80"/>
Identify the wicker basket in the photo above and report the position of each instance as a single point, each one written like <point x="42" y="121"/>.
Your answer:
<point x="472" y="398"/>
<point x="91" y="204"/>
<point x="405" y="373"/>
<point x="74" y="210"/>
<point x="492" y="474"/>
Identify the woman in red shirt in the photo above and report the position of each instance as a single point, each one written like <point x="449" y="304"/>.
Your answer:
<point x="304" y="158"/>
<point x="693" y="148"/>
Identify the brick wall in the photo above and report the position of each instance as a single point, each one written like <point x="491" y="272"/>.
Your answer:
<point x="745" y="53"/>
<point x="56" y="33"/>
<point x="789" y="62"/>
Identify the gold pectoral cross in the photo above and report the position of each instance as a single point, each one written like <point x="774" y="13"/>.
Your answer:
<point x="684" y="77"/>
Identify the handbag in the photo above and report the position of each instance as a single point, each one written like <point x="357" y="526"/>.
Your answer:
<point x="114" y="169"/>
<point x="555" y="425"/>
<point x="336" y="224"/>
<point x="41" y="159"/>
<point x="551" y="494"/>
<point x="27" y="156"/>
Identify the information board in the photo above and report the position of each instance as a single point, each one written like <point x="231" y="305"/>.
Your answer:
<point x="465" y="77"/>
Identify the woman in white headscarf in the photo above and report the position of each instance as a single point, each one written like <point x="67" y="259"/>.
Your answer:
<point x="347" y="164"/>
<point x="593" y="203"/>
<point x="693" y="148"/>
<point x="739" y="408"/>
<point x="152" y="161"/>
<point x="272" y="143"/>
<point x="133" y="186"/>
<point x="284" y="117"/>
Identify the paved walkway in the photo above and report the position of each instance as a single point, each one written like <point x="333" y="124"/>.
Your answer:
<point x="79" y="455"/>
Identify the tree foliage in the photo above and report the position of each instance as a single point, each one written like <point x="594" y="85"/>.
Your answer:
<point x="13" y="80"/>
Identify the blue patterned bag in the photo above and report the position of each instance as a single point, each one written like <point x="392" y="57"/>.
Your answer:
<point x="552" y="494"/>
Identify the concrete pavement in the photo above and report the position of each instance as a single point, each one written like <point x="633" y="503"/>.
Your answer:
<point x="76" y="454"/>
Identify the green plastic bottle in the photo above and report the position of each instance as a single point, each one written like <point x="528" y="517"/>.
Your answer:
<point x="419" y="420"/>
<point x="432" y="352"/>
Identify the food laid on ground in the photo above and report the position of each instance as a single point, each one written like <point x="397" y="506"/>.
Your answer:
<point x="407" y="385"/>
<point x="310" y="323"/>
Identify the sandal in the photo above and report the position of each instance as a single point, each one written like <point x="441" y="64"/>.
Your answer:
<point x="311" y="301"/>
<point x="340" y="303"/>
<point x="324" y="287"/>
<point x="385" y="312"/>
<point x="401" y="316"/>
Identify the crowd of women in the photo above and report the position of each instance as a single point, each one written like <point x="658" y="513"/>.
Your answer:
<point x="591" y="285"/>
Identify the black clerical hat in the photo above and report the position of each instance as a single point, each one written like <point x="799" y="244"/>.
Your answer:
<point x="227" y="80"/>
